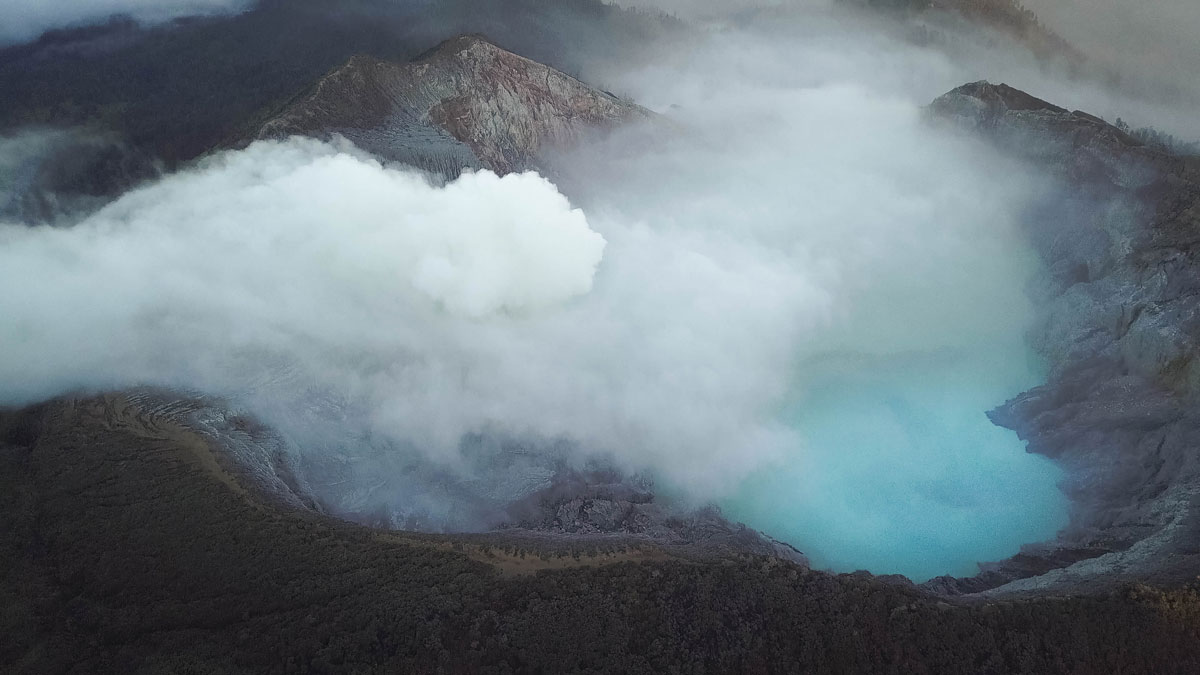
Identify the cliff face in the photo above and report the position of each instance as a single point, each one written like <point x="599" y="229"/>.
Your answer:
<point x="1119" y="326"/>
<point x="467" y="104"/>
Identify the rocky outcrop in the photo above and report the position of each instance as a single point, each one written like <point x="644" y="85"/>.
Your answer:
<point x="580" y="505"/>
<point x="1119" y="304"/>
<point x="225" y="443"/>
<point x="466" y="104"/>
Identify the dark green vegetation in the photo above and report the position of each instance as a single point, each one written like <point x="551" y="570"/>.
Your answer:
<point x="129" y="547"/>
<point x="178" y="90"/>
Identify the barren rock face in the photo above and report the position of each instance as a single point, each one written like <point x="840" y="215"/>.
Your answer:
<point x="467" y="104"/>
<point x="1119" y="326"/>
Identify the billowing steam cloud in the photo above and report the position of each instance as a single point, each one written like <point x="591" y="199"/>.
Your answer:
<point x="812" y="153"/>
<point x="798" y="302"/>
<point x="22" y="20"/>
<point x="440" y="310"/>
<point x="274" y="244"/>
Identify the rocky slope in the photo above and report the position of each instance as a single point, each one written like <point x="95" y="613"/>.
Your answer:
<point x="572" y="509"/>
<point x="466" y="104"/>
<point x="1118" y="230"/>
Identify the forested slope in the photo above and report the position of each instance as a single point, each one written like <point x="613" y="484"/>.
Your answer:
<point x="131" y="547"/>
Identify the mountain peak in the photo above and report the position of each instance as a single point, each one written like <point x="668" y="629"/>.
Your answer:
<point x="999" y="95"/>
<point x="458" y="43"/>
<point x="466" y="103"/>
<point x="1082" y="146"/>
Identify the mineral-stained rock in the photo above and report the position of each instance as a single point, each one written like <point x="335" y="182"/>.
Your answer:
<point x="1119" y="327"/>
<point x="466" y="104"/>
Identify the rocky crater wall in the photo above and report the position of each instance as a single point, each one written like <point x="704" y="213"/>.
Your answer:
<point x="1117" y="230"/>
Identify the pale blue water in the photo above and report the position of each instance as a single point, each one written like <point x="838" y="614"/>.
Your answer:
<point x="901" y="470"/>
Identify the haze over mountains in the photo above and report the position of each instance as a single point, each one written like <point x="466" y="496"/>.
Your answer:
<point x="1153" y="41"/>
<point x="127" y="76"/>
<point x="847" y="274"/>
<point x="24" y="20"/>
<point x="550" y="349"/>
<point x="594" y="286"/>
